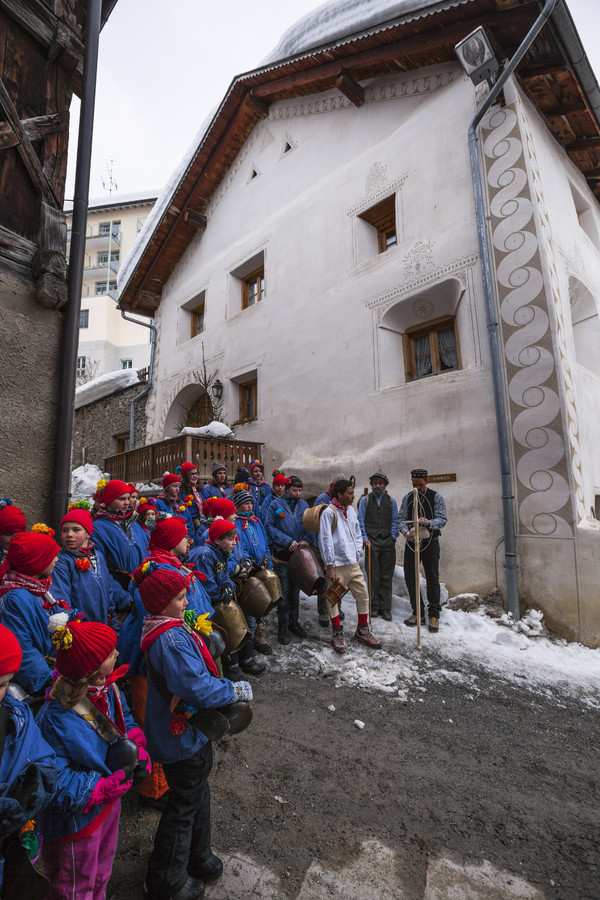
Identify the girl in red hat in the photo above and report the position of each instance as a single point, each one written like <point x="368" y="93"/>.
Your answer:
<point x="261" y="490"/>
<point x="12" y="521"/>
<point x="81" y="574"/>
<point x="169" y="501"/>
<point x="26" y="759"/>
<point x="190" y="482"/>
<point x="146" y="514"/>
<point x="122" y="540"/>
<point x="27" y="602"/>
<point x="85" y="719"/>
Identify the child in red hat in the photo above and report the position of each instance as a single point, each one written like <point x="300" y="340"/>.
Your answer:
<point x="12" y="521"/>
<point x="27" y="602"/>
<point x="180" y="664"/>
<point x="85" y="720"/>
<point x="81" y="575"/>
<point x="26" y="760"/>
<point x="146" y="514"/>
<point x="169" y="501"/>
<point x="190" y="484"/>
<point x="122" y="540"/>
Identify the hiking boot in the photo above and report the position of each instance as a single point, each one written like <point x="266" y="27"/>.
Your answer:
<point x="263" y="648"/>
<point x="338" y="642"/>
<point x="434" y="624"/>
<point x="386" y="615"/>
<point x="233" y="673"/>
<point x="207" y="868"/>
<point x="283" y="634"/>
<point x="412" y="620"/>
<point x="364" y="634"/>
<point x="251" y="666"/>
<point x="297" y="629"/>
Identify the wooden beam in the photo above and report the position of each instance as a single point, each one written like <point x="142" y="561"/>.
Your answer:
<point x="547" y="65"/>
<point x="258" y="106"/>
<point x="564" y="109"/>
<point x="589" y="143"/>
<point x="323" y="76"/>
<point x="36" y="17"/>
<point x="350" y="88"/>
<point x="35" y="128"/>
<point x="191" y="217"/>
<point x="26" y="151"/>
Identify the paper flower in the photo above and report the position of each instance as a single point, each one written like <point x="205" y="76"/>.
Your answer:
<point x="197" y="622"/>
<point x="178" y="724"/>
<point x="40" y="528"/>
<point x="83" y="564"/>
<point x="62" y="639"/>
<point x="279" y="512"/>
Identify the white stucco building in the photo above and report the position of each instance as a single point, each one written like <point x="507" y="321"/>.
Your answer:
<point x="320" y="243"/>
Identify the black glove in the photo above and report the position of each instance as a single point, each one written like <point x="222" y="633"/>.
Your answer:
<point x="227" y="594"/>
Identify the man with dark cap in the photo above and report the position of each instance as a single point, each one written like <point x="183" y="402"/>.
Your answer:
<point x="432" y="516"/>
<point x="378" y="520"/>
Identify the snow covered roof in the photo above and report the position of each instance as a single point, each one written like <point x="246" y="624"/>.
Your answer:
<point x="104" y="385"/>
<point x="118" y="201"/>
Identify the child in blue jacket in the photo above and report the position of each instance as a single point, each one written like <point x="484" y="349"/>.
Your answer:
<point x="170" y="502"/>
<point x="122" y="540"/>
<point x="180" y="665"/>
<point x="27" y="772"/>
<point x="85" y="720"/>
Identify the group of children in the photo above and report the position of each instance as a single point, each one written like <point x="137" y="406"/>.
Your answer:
<point x="135" y="581"/>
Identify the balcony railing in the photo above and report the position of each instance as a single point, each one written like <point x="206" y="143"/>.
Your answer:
<point x="150" y="463"/>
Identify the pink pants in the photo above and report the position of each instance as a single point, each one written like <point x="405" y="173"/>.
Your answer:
<point x="79" y="870"/>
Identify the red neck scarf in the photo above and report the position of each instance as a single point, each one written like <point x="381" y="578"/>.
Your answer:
<point x="154" y="626"/>
<point x="337" y="505"/>
<point x="41" y="588"/>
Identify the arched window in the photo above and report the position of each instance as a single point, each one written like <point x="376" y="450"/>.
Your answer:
<point x="586" y="326"/>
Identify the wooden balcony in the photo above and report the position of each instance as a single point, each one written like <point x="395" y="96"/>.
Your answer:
<point x="150" y="463"/>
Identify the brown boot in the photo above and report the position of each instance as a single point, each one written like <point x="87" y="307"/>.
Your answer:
<point x="260" y="642"/>
<point x="338" y="642"/>
<point x="364" y="634"/>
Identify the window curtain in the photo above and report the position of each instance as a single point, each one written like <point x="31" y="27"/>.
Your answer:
<point x="447" y="348"/>
<point x="422" y="356"/>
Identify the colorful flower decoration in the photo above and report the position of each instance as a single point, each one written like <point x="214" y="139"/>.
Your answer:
<point x="149" y="566"/>
<point x="83" y="564"/>
<point x="30" y="840"/>
<point x="181" y="507"/>
<point x="188" y="500"/>
<point x="279" y="512"/>
<point x="62" y="639"/>
<point x="5" y="502"/>
<point x="101" y="485"/>
<point x="197" y="622"/>
<point x="79" y="504"/>
<point x="240" y="486"/>
<point x="143" y="500"/>
<point x="40" y="528"/>
<point x="178" y="723"/>
<point x="277" y="472"/>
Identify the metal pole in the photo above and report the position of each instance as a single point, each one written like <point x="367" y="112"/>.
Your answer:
<point x="66" y="393"/>
<point x="510" y="543"/>
<point x="417" y="535"/>
<point x="146" y="390"/>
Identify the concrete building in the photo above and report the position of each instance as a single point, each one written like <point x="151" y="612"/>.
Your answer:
<point x="107" y="341"/>
<point x="320" y="245"/>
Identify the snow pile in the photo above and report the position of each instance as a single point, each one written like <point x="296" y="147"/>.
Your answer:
<point x="104" y="385"/>
<point x="215" y="430"/>
<point x="517" y="652"/>
<point x="84" y="481"/>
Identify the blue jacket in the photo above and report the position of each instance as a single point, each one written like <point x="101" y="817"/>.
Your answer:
<point x="167" y="506"/>
<point x="24" y="614"/>
<point x="214" y="562"/>
<point x="128" y="643"/>
<point x="25" y="752"/>
<point x="209" y="490"/>
<point x="80" y="764"/>
<point x="323" y="498"/>
<point x="176" y="656"/>
<point x="123" y="552"/>
<point x="261" y="494"/>
<point x="253" y="542"/>
<point x="284" y="530"/>
<point x="93" y="592"/>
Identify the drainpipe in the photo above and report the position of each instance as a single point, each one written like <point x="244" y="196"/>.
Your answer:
<point x="146" y="390"/>
<point x="508" y="510"/>
<point x="70" y="340"/>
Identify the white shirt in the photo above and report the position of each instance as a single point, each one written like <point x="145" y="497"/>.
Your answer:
<point x="345" y="545"/>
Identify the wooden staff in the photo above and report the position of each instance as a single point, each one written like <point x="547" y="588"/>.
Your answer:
<point x="369" y="578"/>
<point x="417" y="563"/>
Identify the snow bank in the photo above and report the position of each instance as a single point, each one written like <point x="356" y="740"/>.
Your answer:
<point x="215" y="429"/>
<point x="104" y="385"/>
<point x="84" y="481"/>
<point x="467" y="642"/>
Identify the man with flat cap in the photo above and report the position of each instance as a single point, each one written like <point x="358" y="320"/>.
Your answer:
<point x="431" y="515"/>
<point x="378" y="520"/>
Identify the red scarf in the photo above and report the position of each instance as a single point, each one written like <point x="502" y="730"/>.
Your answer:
<point x="245" y="520"/>
<point x="154" y="626"/>
<point x="165" y="556"/>
<point x="12" y="581"/>
<point x="337" y="505"/>
<point x="198" y="500"/>
<point x="96" y="694"/>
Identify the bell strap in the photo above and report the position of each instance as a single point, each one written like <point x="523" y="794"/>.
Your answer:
<point x="101" y="724"/>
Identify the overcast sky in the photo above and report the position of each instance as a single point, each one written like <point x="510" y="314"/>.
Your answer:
<point x="163" y="67"/>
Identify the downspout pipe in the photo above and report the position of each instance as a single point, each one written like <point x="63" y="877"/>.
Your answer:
<point x="66" y="392"/>
<point x="508" y="504"/>
<point x="146" y="390"/>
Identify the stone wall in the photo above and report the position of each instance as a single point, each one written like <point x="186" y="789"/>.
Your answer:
<point x="97" y="424"/>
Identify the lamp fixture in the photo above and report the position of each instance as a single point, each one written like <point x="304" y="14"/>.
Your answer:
<point x="476" y="56"/>
<point x="217" y="389"/>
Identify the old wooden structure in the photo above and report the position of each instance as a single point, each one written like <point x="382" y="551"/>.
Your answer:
<point x="42" y="50"/>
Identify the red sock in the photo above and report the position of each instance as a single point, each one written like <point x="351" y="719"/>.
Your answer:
<point x="336" y="622"/>
<point x="363" y="618"/>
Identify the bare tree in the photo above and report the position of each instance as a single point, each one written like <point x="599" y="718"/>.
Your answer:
<point x="207" y="408"/>
<point x="91" y="371"/>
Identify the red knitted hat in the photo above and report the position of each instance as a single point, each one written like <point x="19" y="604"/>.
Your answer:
<point x="168" y="533"/>
<point x="219" y="528"/>
<point x="279" y="478"/>
<point x="10" y="652"/>
<point x="132" y="487"/>
<point x="168" y="480"/>
<point x="221" y="506"/>
<point x="30" y="553"/>
<point x="144" y="507"/>
<point x="81" y="647"/>
<point x="113" y="489"/>
<point x="11" y="519"/>
<point x="82" y="517"/>
<point x="158" y="585"/>
<point x="256" y="462"/>
<point x="188" y="467"/>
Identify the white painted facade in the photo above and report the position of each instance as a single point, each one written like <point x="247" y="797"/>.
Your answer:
<point x="325" y="344"/>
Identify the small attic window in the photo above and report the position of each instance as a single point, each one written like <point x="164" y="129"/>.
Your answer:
<point x="585" y="215"/>
<point x="382" y="219"/>
<point x="253" y="174"/>
<point x="287" y="147"/>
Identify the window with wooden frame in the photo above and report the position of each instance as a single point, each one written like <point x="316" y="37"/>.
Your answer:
<point x="382" y="217"/>
<point x="122" y="442"/>
<point x="248" y="400"/>
<point x="197" y="320"/>
<point x="431" y="349"/>
<point x="253" y="288"/>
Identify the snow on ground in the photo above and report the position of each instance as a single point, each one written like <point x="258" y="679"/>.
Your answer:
<point x="84" y="481"/>
<point x="215" y="429"/>
<point x="514" y="652"/>
<point x="104" y="385"/>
